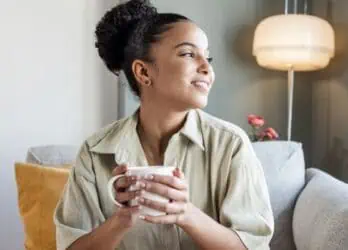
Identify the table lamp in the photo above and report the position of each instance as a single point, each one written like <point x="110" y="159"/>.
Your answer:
<point x="293" y="42"/>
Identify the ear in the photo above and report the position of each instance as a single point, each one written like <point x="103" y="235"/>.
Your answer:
<point x="141" y="73"/>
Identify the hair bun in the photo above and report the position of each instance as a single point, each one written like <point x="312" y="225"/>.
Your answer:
<point x="115" y="28"/>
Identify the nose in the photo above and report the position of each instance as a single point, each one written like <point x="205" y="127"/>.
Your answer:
<point x="204" y="67"/>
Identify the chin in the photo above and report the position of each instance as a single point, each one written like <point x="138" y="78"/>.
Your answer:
<point x="199" y="102"/>
<point x="193" y="101"/>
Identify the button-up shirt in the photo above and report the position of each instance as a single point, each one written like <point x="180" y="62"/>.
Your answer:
<point x="225" y="178"/>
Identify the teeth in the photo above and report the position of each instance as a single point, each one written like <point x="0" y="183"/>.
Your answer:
<point x="203" y="85"/>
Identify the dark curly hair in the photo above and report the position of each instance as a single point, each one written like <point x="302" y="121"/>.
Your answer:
<point x="126" y="32"/>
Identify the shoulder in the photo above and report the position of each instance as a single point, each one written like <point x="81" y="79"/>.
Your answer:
<point x="100" y="134"/>
<point x="221" y="128"/>
<point x="229" y="140"/>
<point x="105" y="138"/>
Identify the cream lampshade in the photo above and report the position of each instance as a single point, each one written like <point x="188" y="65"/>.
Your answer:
<point x="293" y="42"/>
<point x="301" y="42"/>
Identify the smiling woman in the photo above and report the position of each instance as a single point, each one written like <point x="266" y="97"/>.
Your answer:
<point x="218" y="197"/>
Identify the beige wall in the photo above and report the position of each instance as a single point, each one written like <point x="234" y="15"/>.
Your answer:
<point x="53" y="88"/>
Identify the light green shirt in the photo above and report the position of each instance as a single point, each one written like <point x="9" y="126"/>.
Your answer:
<point x="225" y="178"/>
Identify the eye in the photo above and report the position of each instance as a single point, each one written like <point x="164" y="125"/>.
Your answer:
<point x="209" y="59"/>
<point x="188" y="54"/>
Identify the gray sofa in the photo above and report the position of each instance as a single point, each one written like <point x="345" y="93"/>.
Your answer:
<point x="310" y="207"/>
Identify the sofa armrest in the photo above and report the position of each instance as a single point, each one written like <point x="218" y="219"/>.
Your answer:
<point x="321" y="213"/>
<point x="52" y="154"/>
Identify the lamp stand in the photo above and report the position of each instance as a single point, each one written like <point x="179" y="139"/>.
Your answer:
<point x="290" y="99"/>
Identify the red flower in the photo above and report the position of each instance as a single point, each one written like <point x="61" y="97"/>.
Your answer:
<point x="269" y="134"/>
<point x="259" y="134"/>
<point x="256" y="121"/>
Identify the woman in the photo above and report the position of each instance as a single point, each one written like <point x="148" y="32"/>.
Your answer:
<point x="225" y="203"/>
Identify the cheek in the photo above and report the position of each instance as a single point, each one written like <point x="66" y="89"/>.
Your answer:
<point x="176" y="73"/>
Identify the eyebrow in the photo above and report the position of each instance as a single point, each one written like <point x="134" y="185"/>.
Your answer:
<point x="187" y="44"/>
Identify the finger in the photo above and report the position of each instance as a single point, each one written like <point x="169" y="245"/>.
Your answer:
<point x="165" y="191"/>
<point x="125" y="182"/>
<point x="171" y="181"/>
<point x="120" y="169"/>
<point x="127" y="196"/>
<point x="165" y="219"/>
<point x="169" y="208"/>
<point x="178" y="173"/>
<point x="126" y="211"/>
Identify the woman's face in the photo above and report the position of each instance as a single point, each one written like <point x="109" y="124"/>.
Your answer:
<point x="181" y="74"/>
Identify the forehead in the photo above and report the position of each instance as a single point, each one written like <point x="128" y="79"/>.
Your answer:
<point x="184" y="31"/>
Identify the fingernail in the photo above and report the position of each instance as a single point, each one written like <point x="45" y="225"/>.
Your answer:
<point x="141" y="200"/>
<point x="149" y="177"/>
<point x="142" y="217"/>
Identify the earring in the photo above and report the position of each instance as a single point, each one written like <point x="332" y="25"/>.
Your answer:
<point x="148" y="82"/>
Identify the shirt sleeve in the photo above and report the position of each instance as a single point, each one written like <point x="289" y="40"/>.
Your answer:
<point x="246" y="208"/>
<point x="78" y="210"/>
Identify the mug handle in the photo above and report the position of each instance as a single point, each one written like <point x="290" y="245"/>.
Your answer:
<point x="111" y="190"/>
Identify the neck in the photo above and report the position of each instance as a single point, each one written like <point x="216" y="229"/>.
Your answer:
<point x="157" y="125"/>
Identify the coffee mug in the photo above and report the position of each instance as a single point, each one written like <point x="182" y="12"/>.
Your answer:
<point x="142" y="172"/>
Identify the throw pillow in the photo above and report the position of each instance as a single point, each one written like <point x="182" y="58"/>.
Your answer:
<point x="39" y="189"/>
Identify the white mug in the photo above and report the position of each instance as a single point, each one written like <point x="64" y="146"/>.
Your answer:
<point x="142" y="172"/>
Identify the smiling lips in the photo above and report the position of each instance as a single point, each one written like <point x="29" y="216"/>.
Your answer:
<point x="202" y="85"/>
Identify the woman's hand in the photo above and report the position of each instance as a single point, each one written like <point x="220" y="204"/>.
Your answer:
<point x="126" y="216"/>
<point x="176" y="190"/>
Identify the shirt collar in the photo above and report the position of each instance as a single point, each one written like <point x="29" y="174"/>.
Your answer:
<point x="192" y="129"/>
<point x="123" y="141"/>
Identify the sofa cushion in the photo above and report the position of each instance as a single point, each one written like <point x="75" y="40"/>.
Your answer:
<point x="39" y="189"/>
<point x="321" y="213"/>
<point x="284" y="168"/>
